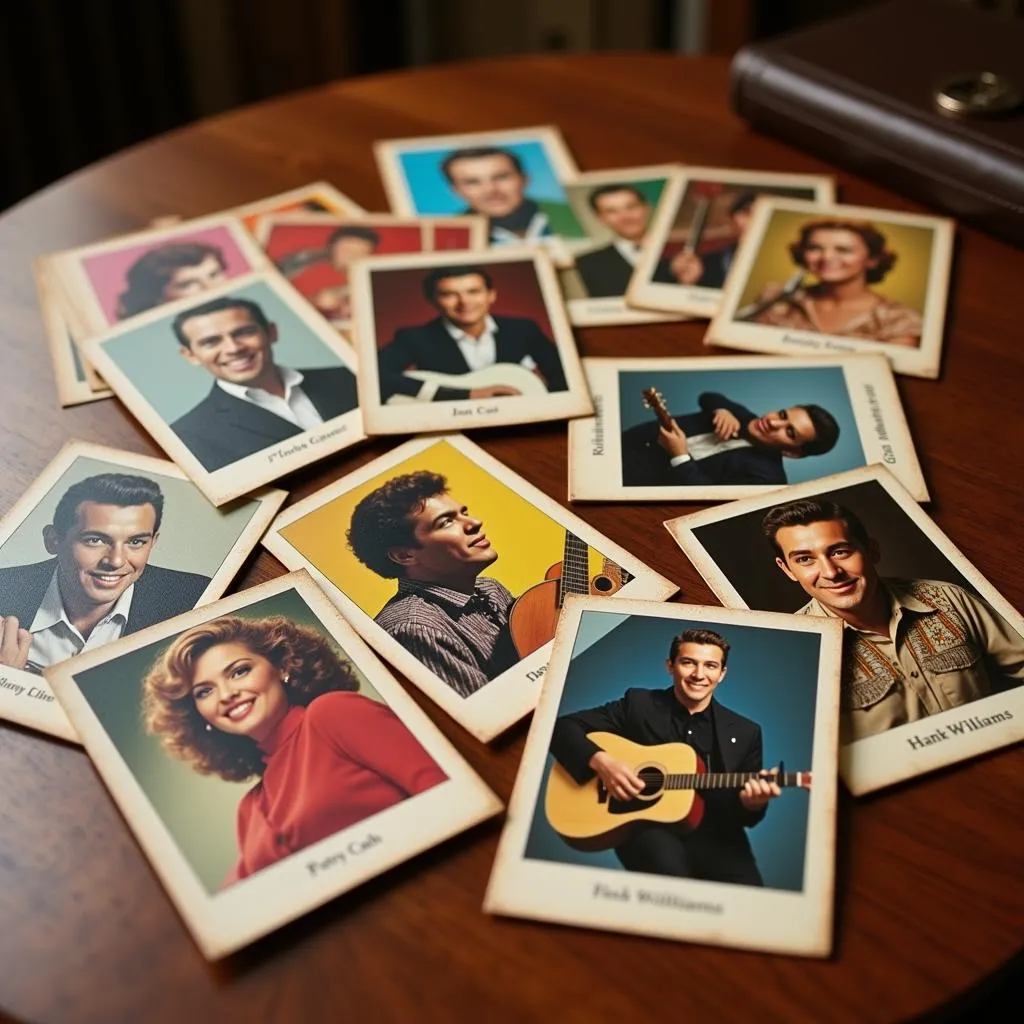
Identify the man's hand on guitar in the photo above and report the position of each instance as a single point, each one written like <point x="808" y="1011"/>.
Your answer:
<point x="494" y="390"/>
<point x="672" y="441"/>
<point x="756" y="793"/>
<point x="726" y="425"/>
<point x="14" y="643"/>
<point x="619" y="779"/>
<point x="687" y="267"/>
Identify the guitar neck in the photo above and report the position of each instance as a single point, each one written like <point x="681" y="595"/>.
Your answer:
<point x="734" y="780"/>
<point x="575" y="578"/>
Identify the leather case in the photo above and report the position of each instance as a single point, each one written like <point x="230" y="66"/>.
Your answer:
<point x="860" y="89"/>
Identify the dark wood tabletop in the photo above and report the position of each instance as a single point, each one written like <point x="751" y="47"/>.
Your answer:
<point x="929" y="901"/>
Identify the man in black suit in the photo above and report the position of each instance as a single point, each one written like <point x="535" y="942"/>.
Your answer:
<point x="724" y="444"/>
<point x="624" y="210"/>
<point x="254" y="403"/>
<point x="687" y="712"/>
<point x="465" y="337"/>
<point x="710" y="269"/>
<point x="99" y="586"/>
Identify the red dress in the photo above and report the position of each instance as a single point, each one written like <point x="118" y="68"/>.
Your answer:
<point x="328" y="766"/>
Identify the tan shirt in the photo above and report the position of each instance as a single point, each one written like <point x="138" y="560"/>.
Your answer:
<point x="945" y="648"/>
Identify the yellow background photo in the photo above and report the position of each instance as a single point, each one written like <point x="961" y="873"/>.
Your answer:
<point x="527" y="540"/>
<point x="907" y="282"/>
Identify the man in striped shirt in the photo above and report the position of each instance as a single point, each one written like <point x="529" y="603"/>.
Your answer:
<point x="449" y="618"/>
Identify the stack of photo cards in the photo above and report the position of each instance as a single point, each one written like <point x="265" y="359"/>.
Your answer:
<point x="316" y="197"/>
<point x="264" y="758"/>
<point x="719" y="728"/>
<point x="188" y="370"/>
<point x="103" y="544"/>
<point x="455" y="571"/>
<point x="727" y="427"/>
<point x="934" y="655"/>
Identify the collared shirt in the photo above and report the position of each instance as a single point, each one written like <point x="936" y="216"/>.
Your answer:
<point x="945" y="647"/>
<point x="462" y="638"/>
<point x="629" y="251"/>
<point x="703" y="446"/>
<point x="537" y="228"/>
<point x="55" y="639"/>
<point x="885" y="321"/>
<point x="295" y="406"/>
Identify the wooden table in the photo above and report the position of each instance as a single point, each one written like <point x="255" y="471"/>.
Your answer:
<point x="929" y="900"/>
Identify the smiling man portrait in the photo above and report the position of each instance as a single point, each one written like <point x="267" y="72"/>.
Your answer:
<point x="254" y="402"/>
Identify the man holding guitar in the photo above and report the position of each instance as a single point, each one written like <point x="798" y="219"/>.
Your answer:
<point x="716" y="848"/>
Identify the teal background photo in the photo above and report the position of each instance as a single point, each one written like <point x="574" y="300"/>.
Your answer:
<point x="197" y="810"/>
<point x="771" y="679"/>
<point x="150" y="355"/>
<point x="761" y="391"/>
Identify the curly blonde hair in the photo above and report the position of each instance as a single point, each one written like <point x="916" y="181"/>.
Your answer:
<point x="313" y="666"/>
<point x="873" y="238"/>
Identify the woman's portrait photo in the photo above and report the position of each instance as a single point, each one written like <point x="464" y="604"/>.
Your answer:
<point x="838" y="278"/>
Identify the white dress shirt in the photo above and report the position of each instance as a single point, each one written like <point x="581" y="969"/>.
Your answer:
<point x="629" y="251"/>
<point x="703" y="446"/>
<point x="55" y="639"/>
<point x="536" y="229"/>
<point x="295" y="406"/>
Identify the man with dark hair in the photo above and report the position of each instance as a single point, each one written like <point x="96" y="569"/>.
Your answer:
<point x="709" y="270"/>
<point x="449" y="618"/>
<point x="625" y="211"/>
<point x="99" y="585"/>
<point x="718" y="850"/>
<point x="254" y="403"/>
<point x="724" y="444"/>
<point x="493" y="182"/>
<point x="465" y="337"/>
<point x="172" y="271"/>
<point x="912" y="647"/>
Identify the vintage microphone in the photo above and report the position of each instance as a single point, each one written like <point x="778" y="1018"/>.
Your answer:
<point x="748" y="312"/>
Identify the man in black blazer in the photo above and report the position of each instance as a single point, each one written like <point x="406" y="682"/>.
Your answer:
<point x="724" y="444"/>
<point x="718" y="849"/>
<point x="710" y="269"/>
<point x="99" y="585"/>
<point x="465" y="337"/>
<point x="254" y="403"/>
<point x="625" y="211"/>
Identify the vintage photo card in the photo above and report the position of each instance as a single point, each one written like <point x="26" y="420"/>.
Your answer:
<point x="514" y="178"/>
<point x="696" y="234"/>
<point x="449" y="341"/>
<point x="317" y="197"/>
<point x="821" y="278"/>
<point x="934" y="655"/>
<point x="116" y="280"/>
<point x="314" y="250"/>
<point x="265" y="759"/>
<point x="726" y="427"/>
<point x="239" y="386"/>
<point x="454" y="569"/>
<point x="679" y="778"/>
<point x="617" y="208"/>
<point x="103" y="544"/>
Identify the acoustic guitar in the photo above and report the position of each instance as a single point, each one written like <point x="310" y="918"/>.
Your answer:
<point x="534" y="615"/>
<point x="587" y="818"/>
<point x="512" y="375"/>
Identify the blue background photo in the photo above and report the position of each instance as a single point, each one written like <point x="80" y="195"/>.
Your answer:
<point x="761" y="391"/>
<point x="772" y="680"/>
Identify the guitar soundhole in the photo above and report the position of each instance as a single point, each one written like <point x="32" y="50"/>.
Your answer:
<point x="602" y="584"/>
<point x="654" y="782"/>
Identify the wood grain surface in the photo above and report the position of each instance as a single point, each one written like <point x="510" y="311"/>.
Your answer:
<point x="929" y="900"/>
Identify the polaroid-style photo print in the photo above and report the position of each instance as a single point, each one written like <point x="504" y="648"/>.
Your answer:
<point x="265" y="759"/>
<point x="831" y="278"/>
<point x="239" y="387"/>
<point x="454" y="569"/>
<point x="314" y="250"/>
<point x="934" y="654"/>
<point x="103" y="544"/>
<point x="111" y="282"/>
<point x="516" y="179"/>
<point x="679" y="778"/>
<point x="696" y="234"/>
<point x="727" y="427"/>
<point x="317" y="197"/>
<point x="76" y="382"/>
<point x="449" y="341"/>
<point x="616" y="208"/>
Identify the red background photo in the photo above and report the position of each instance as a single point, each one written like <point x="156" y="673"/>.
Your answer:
<point x="398" y="296"/>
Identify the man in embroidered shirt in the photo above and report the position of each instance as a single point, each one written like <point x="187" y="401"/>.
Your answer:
<point x="451" y="620"/>
<point x="254" y="403"/>
<point x="687" y="712"/>
<point x="463" y="338"/>
<point x="624" y="210"/>
<point x="99" y="586"/>
<point x="724" y="444"/>
<point x="913" y="647"/>
<point x="493" y="183"/>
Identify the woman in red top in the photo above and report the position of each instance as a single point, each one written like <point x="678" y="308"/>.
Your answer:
<point x="265" y="697"/>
